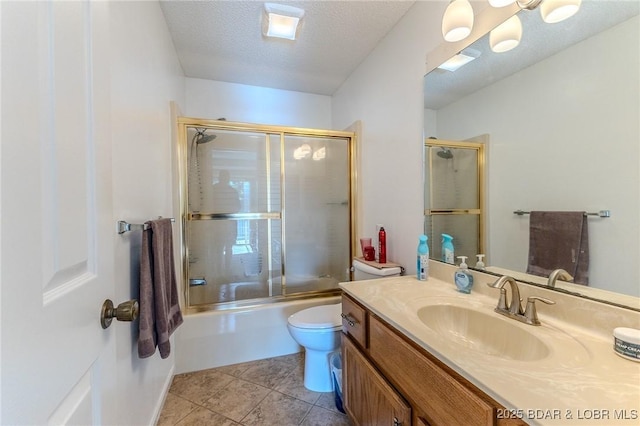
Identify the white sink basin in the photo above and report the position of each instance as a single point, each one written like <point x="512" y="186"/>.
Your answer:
<point x="482" y="332"/>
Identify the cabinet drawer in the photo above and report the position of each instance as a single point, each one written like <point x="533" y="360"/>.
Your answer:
<point x="354" y="320"/>
<point x="431" y="390"/>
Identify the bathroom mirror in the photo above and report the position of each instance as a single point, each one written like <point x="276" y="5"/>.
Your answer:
<point x="561" y="114"/>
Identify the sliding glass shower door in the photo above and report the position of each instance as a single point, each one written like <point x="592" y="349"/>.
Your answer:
<point x="267" y="212"/>
<point x="317" y="213"/>
<point x="454" y="194"/>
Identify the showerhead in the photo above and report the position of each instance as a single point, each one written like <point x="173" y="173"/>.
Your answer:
<point x="445" y="153"/>
<point x="201" y="137"/>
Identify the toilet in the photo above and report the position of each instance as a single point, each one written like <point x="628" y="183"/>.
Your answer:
<point x="363" y="271"/>
<point x="317" y="329"/>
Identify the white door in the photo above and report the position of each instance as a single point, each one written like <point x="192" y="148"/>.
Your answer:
<point x="57" y="231"/>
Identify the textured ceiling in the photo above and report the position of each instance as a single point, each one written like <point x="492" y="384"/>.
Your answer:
<point x="223" y="41"/>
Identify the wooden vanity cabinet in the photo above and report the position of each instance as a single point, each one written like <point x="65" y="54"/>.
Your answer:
<point x="389" y="380"/>
<point x="368" y="398"/>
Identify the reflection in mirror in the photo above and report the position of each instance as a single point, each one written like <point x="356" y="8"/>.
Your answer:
<point x="563" y="136"/>
<point x="454" y="194"/>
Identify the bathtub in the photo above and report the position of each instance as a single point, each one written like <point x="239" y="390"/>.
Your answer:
<point x="216" y="338"/>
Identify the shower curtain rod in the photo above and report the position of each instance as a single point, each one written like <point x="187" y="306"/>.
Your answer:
<point x="601" y="213"/>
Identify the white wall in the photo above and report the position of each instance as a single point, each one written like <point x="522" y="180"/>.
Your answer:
<point x="145" y="77"/>
<point x="582" y="125"/>
<point x="250" y="104"/>
<point x="385" y="92"/>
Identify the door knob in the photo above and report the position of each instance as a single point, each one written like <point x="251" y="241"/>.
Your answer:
<point x="126" y="311"/>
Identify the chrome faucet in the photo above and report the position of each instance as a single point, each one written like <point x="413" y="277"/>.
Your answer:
<point x="514" y="309"/>
<point x="558" y="274"/>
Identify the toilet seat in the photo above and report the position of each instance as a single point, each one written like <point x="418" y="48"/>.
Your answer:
<point x="317" y="317"/>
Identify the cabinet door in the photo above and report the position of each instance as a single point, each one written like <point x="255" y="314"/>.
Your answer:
<point x="369" y="399"/>
<point x="442" y="399"/>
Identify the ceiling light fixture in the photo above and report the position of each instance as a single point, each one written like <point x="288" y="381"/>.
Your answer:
<point x="461" y="59"/>
<point x="281" y="21"/>
<point x="457" y="21"/>
<point x="320" y="154"/>
<point x="506" y="36"/>
<point x="301" y="152"/>
<point x="553" y="11"/>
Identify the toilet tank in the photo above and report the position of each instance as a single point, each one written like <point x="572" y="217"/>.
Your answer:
<point x="362" y="271"/>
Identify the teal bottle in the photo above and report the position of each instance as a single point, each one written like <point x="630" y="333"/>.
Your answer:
<point x="422" y="267"/>
<point x="447" y="249"/>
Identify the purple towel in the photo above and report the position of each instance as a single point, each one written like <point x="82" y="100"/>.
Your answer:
<point x="559" y="240"/>
<point x="159" y="306"/>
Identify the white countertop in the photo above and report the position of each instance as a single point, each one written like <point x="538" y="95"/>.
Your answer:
<point x="581" y="381"/>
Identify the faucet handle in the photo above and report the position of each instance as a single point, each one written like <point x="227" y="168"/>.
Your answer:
<point x="530" y="313"/>
<point x="502" y="301"/>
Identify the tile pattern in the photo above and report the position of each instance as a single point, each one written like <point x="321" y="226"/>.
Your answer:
<point x="264" y="392"/>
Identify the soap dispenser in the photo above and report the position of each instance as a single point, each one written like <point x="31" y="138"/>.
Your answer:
<point x="480" y="263"/>
<point x="463" y="277"/>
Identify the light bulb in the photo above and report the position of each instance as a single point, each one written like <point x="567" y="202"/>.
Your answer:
<point x="457" y="21"/>
<point x="553" y="11"/>
<point x="506" y="36"/>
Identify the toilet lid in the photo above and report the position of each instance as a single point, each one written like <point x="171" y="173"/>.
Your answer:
<point x="325" y="316"/>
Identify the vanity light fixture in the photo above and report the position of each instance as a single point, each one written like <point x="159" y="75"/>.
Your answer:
<point x="506" y="36"/>
<point x="553" y="11"/>
<point x="281" y="21"/>
<point x="457" y="21"/>
<point x="461" y="59"/>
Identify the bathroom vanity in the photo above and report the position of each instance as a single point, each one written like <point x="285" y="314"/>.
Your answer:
<point x="420" y="353"/>
<point x="389" y="380"/>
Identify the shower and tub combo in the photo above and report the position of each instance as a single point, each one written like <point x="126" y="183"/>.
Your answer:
<point x="267" y="232"/>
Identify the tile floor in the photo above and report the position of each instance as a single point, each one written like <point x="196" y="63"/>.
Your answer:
<point x="265" y="392"/>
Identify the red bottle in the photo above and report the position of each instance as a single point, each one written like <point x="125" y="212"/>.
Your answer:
<point x="382" y="246"/>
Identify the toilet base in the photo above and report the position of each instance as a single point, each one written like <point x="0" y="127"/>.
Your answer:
<point x="317" y="371"/>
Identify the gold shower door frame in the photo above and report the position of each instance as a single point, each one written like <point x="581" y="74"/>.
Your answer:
<point x="429" y="202"/>
<point x="184" y="123"/>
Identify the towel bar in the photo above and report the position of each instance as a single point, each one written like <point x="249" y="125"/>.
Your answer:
<point x="601" y="213"/>
<point x="123" y="226"/>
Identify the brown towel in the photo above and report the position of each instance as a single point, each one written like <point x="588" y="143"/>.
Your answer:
<point x="559" y="240"/>
<point x="159" y="307"/>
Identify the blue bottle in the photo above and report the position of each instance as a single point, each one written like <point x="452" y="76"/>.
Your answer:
<point x="447" y="249"/>
<point x="422" y="267"/>
<point x="462" y="277"/>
